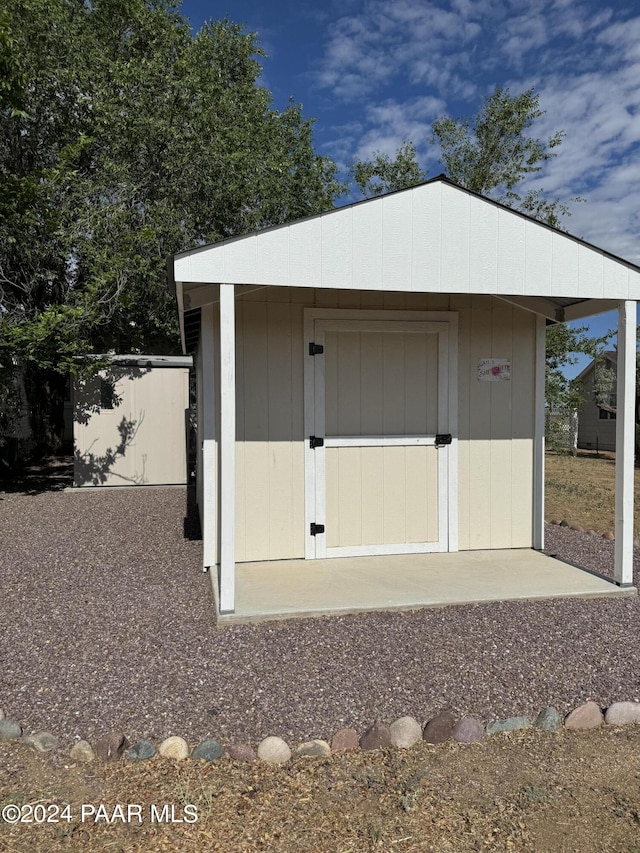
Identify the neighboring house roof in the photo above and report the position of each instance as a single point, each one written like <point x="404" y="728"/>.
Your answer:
<point x="433" y="237"/>
<point x="610" y="355"/>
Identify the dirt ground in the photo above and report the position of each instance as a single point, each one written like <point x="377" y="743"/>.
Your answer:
<point x="525" y="791"/>
<point x="581" y="489"/>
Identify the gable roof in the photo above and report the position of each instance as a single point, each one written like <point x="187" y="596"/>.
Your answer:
<point x="434" y="237"/>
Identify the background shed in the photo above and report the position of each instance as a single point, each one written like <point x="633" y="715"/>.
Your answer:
<point x="130" y="423"/>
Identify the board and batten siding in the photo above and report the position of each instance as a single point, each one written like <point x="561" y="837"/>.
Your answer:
<point x="495" y="419"/>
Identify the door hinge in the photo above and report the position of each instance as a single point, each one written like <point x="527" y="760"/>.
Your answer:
<point x="316" y="528"/>
<point x="442" y="439"/>
<point x="315" y="349"/>
<point x="315" y="441"/>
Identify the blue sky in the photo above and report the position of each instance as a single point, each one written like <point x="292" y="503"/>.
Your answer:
<point x="376" y="72"/>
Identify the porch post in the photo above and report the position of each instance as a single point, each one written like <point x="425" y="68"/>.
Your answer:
<point x="538" y="440"/>
<point x="206" y="399"/>
<point x="625" y="442"/>
<point x="227" y="448"/>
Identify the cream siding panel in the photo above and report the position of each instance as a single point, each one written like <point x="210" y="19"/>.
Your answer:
<point x="372" y="497"/>
<point x="501" y="430"/>
<point x="456" y="236"/>
<point x="393" y="385"/>
<point x="150" y="413"/>
<point x="479" y="472"/>
<point x="511" y="257"/>
<point x="337" y="246"/>
<point x="421" y="496"/>
<point x="273" y="255"/>
<point x="537" y="269"/>
<point x="522" y="421"/>
<point x="371" y="390"/>
<point x="394" y="485"/>
<point x="305" y="254"/>
<point x="464" y="380"/>
<point x="367" y="247"/>
<point x="483" y="246"/>
<point x="564" y="280"/>
<point x="426" y="240"/>
<point x="396" y="241"/>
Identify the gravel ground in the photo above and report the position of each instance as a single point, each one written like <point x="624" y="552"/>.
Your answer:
<point x="107" y="622"/>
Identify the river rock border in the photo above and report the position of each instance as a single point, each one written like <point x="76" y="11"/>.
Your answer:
<point x="404" y="733"/>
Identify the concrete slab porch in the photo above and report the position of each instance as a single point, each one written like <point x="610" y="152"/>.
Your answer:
<point x="295" y="588"/>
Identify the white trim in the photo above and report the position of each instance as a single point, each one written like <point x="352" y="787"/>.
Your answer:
<point x="452" y="427"/>
<point x="208" y="420"/>
<point x="227" y="448"/>
<point x="625" y="442"/>
<point x="443" y="323"/>
<point x="309" y="429"/>
<point x="538" y="434"/>
<point x="319" y="459"/>
<point x="379" y="440"/>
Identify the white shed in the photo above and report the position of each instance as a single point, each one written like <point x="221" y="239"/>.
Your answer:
<point x="370" y="381"/>
<point x="130" y="422"/>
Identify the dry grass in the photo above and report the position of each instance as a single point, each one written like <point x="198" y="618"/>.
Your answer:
<point x="582" y="490"/>
<point x="524" y="791"/>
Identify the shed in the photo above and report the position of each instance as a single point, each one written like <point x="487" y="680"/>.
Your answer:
<point x="130" y="422"/>
<point x="370" y="381"/>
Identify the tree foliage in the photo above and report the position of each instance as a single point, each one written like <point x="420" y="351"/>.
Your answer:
<point x="382" y="174"/>
<point x="126" y="138"/>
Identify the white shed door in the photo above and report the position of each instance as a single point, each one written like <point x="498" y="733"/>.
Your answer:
<point x="381" y="481"/>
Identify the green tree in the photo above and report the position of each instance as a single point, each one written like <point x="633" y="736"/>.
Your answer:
<point x="382" y="174"/>
<point x="494" y="152"/>
<point x="124" y="139"/>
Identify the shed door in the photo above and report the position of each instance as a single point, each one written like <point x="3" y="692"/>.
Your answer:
<point x="380" y="404"/>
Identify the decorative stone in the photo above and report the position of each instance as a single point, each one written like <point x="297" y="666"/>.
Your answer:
<point x="511" y="724"/>
<point x="174" y="747"/>
<point x="577" y="528"/>
<point x="10" y="730"/>
<point x="376" y="736"/>
<point x="564" y="523"/>
<point x="555" y="521"/>
<point x="142" y="751"/>
<point x="314" y="747"/>
<point x="622" y="713"/>
<point x="467" y="730"/>
<point x="608" y="536"/>
<point x="440" y="728"/>
<point x="209" y="750"/>
<point x="586" y="716"/>
<point x="344" y="739"/>
<point x="41" y="742"/>
<point x="111" y="747"/>
<point x="405" y="732"/>
<point x="549" y="720"/>
<point x="274" y="750"/>
<point x="241" y="752"/>
<point x="82" y="751"/>
<point x="592" y="532"/>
